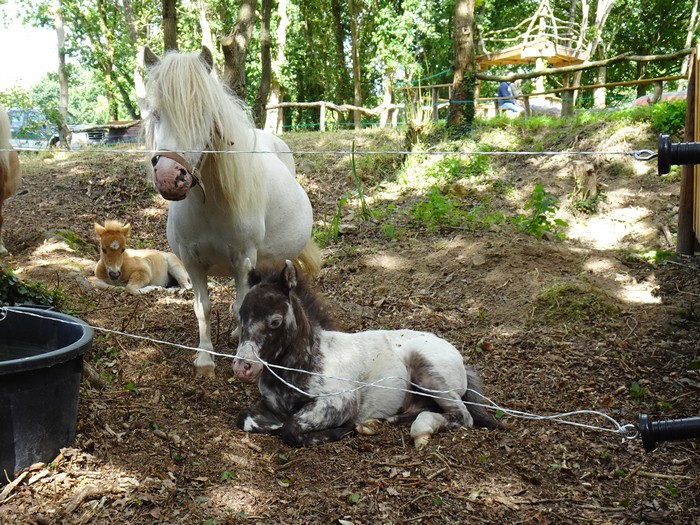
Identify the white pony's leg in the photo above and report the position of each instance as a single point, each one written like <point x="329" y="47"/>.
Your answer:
<point x="204" y="362"/>
<point x="241" y="279"/>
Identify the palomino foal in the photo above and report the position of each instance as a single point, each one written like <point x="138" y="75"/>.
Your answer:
<point x="140" y="270"/>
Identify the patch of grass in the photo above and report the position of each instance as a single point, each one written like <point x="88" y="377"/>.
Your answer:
<point x="566" y="302"/>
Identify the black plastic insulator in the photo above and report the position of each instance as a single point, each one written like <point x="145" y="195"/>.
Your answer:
<point x="670" y="154"/>
<point x="654" y="432"/>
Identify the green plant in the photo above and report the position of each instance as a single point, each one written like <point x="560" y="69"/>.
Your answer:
<point x="366" y="211"/>
<point x="637" y="391"/>
<point x="668" y="116"/>
<point x="587" y="205"/>
<point x="542" y="206"/>
<point x="228" y="475"/>
<point x="438" y="211"/>
<point x="451" y="168"/>
<point x="14" y="291"/>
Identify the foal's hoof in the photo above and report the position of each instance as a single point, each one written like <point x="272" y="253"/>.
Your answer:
<point x="368" y="427"/>
<point x="421" y="440"/>
<point x="204" y="371"/>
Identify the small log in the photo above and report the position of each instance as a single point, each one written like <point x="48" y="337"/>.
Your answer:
<point x="585" y="177"/>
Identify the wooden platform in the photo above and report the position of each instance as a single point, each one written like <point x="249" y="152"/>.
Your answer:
<point x="527" y="53"/>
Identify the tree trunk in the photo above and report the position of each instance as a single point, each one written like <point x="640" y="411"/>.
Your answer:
<point x="170" y="25"/>
<point x="207" y="38"/>
<point x="266" y="67"/>
<point x="274" y="119"/>
<point x="340" y="37"/>
<point x="64" y="133"/>
<point x="354" y="42"/>
<point x="601" y="17"/>
<point x="108" y="61"/>
<point x="461" y="110"/>
<point x="600" y="93"/>
<point x="235" y="48"/>
<point x="139" y="84"/>
<point x="692" y="28"/>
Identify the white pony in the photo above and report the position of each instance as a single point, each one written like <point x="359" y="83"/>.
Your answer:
<point x="232" y="188"/>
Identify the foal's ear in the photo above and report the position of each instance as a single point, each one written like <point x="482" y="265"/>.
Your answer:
<point x="99" y="229"/>
<point x="126" y="229"/>
<point x="149" y="58"/>
<point x="206" y="57"/>
<point x="288" y="279"/>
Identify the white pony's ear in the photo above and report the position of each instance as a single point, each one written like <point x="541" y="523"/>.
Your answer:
<point x="149" y="58"/>
<point x="289" y="275"/>
<point x="206" y="57"/>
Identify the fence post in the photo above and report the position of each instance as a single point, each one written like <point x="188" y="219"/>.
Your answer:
<point x="434" y="102"/>
<point x="323" y="116"/>
<point x="685" y="243"/>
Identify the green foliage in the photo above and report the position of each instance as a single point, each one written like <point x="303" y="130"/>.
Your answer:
<point x="637" y="391"/>
<point x="451" y="168"/>
<point x="15" y="292"/>
<point x="228" y="475"/>
<point x="588" y="206"/>
<point x="660" y="257"/>
<point x="437" y="212"/>
<point x="366" y="211"/>
<point x="543" y="206"/>
<point x="669" y="116"/>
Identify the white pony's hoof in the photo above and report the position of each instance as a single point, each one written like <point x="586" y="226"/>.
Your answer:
<point x="204" y="371"/>
<point x="236" y="333"/>
<point x="3" y="251"/>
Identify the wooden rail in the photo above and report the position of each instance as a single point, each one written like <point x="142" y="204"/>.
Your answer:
<point x="389" y="112"/>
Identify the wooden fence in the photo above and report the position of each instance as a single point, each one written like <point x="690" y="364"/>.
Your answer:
<point x="441" y="94"/>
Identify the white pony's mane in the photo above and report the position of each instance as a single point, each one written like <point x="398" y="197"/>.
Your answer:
<point x="203" y="114"/>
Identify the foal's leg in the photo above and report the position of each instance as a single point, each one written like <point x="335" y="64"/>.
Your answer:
<point x="204" y="362"/>
<point x="322" y="420"/>
<point x="454" y="415"/>
<point x="177" y="270"/>
<point x="260" y="419"/>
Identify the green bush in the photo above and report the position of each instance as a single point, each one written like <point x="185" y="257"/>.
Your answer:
<point x="668" y="116"/>
<point x="14" y="291"/>
<point x="542" y="206"/>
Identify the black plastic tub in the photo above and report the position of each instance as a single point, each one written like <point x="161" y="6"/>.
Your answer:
<point x="41" y="361"/>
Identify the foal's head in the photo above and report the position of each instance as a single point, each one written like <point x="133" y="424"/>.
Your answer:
<point x="277" y="320"/>
<point x="112" y="240"/>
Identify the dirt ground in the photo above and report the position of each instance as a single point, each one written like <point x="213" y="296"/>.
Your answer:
<point x="591" y="323"/>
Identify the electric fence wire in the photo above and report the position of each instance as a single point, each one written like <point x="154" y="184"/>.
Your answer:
<point x="643" y="154"/>
<point x="627" y="431"/>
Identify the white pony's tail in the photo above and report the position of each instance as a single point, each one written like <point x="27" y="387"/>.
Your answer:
<point x="310" y="259"/>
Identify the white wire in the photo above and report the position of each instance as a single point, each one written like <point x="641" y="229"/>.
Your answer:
<point x="340" y="152"/>
<point x="628" y="431"/>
